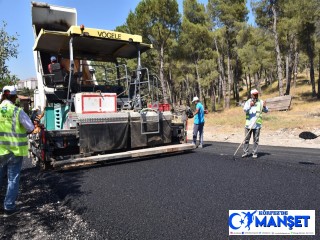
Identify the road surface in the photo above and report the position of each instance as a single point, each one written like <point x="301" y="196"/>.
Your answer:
<point x="181" y="196"/>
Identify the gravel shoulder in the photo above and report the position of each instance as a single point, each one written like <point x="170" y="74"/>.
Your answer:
<point x="281" y="137"/>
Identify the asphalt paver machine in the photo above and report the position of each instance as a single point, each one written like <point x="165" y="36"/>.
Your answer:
<point x="94" y="107"/>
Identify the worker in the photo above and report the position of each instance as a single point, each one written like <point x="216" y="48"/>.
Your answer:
<point x="62" y="65"/>
<point x="14" y="127"/>
<point x="53" y="60"/>
<point x="198" y="122"/>
<point x="36" y="116"/>
<point x="253" y="109"/>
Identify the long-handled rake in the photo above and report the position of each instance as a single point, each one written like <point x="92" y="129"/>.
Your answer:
<point x="234" y="155"/>
<point x="257" y="116"/>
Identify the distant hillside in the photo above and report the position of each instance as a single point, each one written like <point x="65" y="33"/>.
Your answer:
<point x="304" y="111"/>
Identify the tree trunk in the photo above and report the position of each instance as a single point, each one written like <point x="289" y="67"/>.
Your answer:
<point x="296" y="62"/>
<point x="227" y="102"/>
<point x="267" y="80"/>
<point x="213" y="97"/>
<point x="276" y="42"/>
<point x="198" y="80"/>
<point x="170" y="88"/>
<point x="180" y="93"/>
<point x="205" y="105"/>
<point x="219" y="88"/>
<point x="221" y="73"/>
<point x="162" y="80"/>
<point x="311" y="58"/>
<point x="237" y="80"/>
<point x="289" y="64"/>
<point x="287" y="74"/>
<point x="188" y="91"/>
<point x="318" y="95"/>
<point x="257" y="82"/>
<point x="250" y="85"/>
<point x="247" y="86"/>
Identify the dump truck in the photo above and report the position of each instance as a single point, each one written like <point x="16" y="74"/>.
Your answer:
<point x="93" y="106"/>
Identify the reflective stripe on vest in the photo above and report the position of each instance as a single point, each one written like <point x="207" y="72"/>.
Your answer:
<point x="13" y="136"/>
<point x="258" y="113"/>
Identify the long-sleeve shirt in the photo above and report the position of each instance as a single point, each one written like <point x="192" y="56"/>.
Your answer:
<point x="252" y="112"/>
<point x="23" y="119"/>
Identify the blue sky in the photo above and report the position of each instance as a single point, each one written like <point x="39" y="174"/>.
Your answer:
<point x="103" y="14"/>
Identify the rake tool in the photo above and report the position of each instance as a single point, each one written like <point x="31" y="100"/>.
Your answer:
<point x="257" y="116"/>
<point x="234" y="155"/>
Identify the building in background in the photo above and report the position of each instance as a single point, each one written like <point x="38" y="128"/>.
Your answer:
<point x="26" y="90"/>
<point x="30" y="83"/>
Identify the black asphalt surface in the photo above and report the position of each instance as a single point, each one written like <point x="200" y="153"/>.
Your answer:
<point x="188" y="196"/>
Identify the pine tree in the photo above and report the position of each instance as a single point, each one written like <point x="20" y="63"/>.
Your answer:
<point x="158" y="21"/>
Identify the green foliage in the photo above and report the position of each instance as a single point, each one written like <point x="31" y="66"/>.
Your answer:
<point x="255" y="49"/>
<point x="194" y="39"/>
<point x="227" y="12"/>
<point x="155" y="18"/>
<point x="195" y="36"/>
<point x="185" y="47"/>
<point x="195" y="12"/>
<point x="263" y="12"/>
<point x="8" y="49"/>
<point x="159" y="22"/>
<point x="208" y="72"/>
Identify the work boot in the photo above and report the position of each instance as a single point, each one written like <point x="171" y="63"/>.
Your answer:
<point x="200" y="146"/>
<point x="245" y="155"/>
<point x="254" y="155"/>
<point x="9" y="213"/>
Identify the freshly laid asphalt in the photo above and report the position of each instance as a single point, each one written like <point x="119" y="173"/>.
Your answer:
<point x="189" y="195"/>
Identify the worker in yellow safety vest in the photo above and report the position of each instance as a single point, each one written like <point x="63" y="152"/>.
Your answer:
<point x="14" y="127"/>
<point x="253" y="109"/>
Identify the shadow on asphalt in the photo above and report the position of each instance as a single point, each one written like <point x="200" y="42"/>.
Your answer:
<point x="262" y="154"/>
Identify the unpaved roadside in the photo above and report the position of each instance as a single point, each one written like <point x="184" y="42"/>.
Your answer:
<point x="281" y="137"/>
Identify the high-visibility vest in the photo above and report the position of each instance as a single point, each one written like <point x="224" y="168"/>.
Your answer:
<point x="258" y="113"/>
<point x="13" y="135"/>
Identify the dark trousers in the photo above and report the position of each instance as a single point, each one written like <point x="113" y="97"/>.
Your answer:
<point x="198" y="128"/>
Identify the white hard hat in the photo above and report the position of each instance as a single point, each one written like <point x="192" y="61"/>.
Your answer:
<point x="195" y="99"/>
<point x="11" y="89"/>
<point x="254" y="91"/>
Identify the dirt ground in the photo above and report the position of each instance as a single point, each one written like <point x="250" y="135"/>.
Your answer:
<point x="281" y="137"/>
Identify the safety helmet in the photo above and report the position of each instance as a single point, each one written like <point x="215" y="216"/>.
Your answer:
<point x="195" y="99"/>
<point x="53" y="58"/>
<point x="11" y="89"/>
<point x="254" y="91"/>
